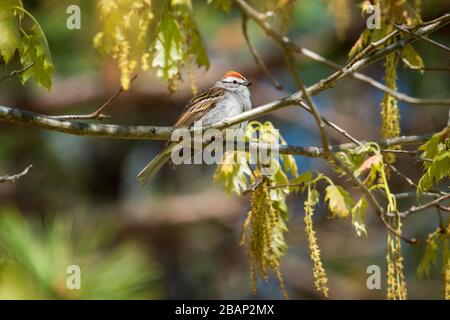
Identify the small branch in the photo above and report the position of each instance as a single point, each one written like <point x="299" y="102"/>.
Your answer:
<point x="441" y="207"/>
<point x="256" y="55"/>
<point x="16" y="72"/>
<point x="413" y="194"/>
<point x="372" y="46"/>
<point x="422" y="37"/>
<point x="35" y="120"/>
<point x="408" y="153"/>
<point x="414" y="68"/>
<point x="408" y="180"/>
<point x="15" y="177"/>
<point x="97" y="114"/>
<point x="430" y="204"/>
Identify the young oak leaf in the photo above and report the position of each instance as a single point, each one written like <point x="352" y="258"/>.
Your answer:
<point x="339" y="201"/>
<point x="374" y="160"/>
<point x="373" y="164"/>
<point x="234" y="173"/>
<point x="168" y="49"/>
<point x="34" y="50"/>
<point x="436" y="144"/>
<point x="9" y="34"/>
<point x="437" y="170"/>
<point x="29" y="42"/>
<point x="359" y="216"/>
<point x="438" y="150"/>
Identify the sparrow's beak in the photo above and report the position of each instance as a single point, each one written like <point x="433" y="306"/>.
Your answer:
<point x="247" y="83"/>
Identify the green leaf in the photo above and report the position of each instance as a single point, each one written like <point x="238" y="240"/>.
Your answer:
<point x="30" y="42"/>
<point x="34" y="50"/>
<point x="198" y="50"/>
<point x="339" y="201"/>
<point x="234" y="173"/>
<point x="159" y="35"/>
<point x="168" y="49"/>
<point x="359" y="45"/>
<point x="437" y="149"/>
<point x="9" y="34"/>
<point x="437" y="170"/>
<point x="289" y="164"/>
<point x="359" y="216"/>
<point x="436" y="144"/>
<point x="195" y="47"/>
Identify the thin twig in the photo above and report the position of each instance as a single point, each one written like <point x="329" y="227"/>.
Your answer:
<point x="16" y="72"/>
<point x="430" y="204"/>
<point x="408" y="153"/>
<point x="97" y="114"/>
<point x="15" y="177"/>
<point x="372" y="46"/>
<point x="413" y="194"/>
<point x="408" y="180"/>
<point x="256" y="55"/>
<point x="441" y="207"/>
<point x="421" y="37"/>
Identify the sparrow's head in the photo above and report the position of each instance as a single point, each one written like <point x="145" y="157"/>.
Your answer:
<point x="235" y="82"/>
<point x="235" y="78"/>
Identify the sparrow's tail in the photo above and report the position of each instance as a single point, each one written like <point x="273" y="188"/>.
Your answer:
<point x="153" y="167"/>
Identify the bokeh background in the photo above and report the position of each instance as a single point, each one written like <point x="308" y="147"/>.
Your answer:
<point x="179" y="238"/>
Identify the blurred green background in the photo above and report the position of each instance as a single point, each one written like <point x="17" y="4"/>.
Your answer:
<point x="179" y="238"/>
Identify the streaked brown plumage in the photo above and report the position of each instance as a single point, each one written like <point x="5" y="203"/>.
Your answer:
<point x="228" y="97"/>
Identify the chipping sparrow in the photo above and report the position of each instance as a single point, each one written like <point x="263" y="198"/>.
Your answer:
<point x="228" y="97"/>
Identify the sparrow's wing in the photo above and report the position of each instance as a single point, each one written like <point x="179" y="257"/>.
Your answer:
<point x="198" y="106"/>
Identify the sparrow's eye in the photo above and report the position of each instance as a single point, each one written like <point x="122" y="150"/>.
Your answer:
<point x="235" y="82"/>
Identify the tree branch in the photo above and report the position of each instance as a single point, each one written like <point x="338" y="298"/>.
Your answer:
<point x="35" y="120"/>
<point x="14" y="178"/>
<point x="421" y="37"/>
<point x="97" y="114"/>
<point x="162" y="133"/>
<point x="430" y="204"/>
<point x="16" y="72"/>
<point x="111" y="131"/>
